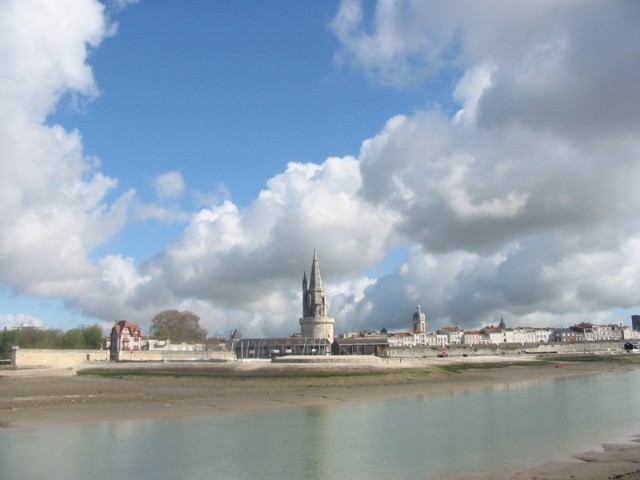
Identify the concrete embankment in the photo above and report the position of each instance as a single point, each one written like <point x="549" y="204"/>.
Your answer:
<point x="508" y="349"/>
<point x="329" y="359"/>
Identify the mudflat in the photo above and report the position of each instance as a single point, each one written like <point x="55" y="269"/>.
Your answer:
<point x="103" y="392"/>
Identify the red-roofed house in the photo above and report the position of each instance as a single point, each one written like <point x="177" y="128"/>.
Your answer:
<point x="124" y="336"/>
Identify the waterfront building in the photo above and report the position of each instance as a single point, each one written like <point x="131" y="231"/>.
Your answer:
<point x="402" y="339"/>
<point x="567" y="335"/>
<point x="493" y="335"/>
<point x="420" y="338"/>
<point x="417" y="339"/>
<point x="377" y="346"/>
<point x="454" y="335"/>
<point x="253" y="348"/>
<point x="315" y="321"/>
<point x="164" y="344"/>
<point x="474" y="337"/>
<point x="521" y="335"/>
<point x="436" y="340"/>
<point x="599" y="333"/>
<point x="124" y="336"/>
<point x="542" y="335"/>
<point x="629" y="334"/>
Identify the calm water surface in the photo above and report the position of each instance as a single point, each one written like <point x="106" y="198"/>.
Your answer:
<point x="500" y="429"/>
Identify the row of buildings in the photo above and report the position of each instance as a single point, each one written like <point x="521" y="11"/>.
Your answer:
<point x="316" y="335"/>
<point x="501" y="335"/>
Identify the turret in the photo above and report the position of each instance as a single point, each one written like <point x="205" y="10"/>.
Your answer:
<point x="419" y="321"/>
<point x="304" y="294"/>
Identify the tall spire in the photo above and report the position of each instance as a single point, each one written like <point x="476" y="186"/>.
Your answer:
<point x="315" y="321"/>
<point x="315" y="281"/>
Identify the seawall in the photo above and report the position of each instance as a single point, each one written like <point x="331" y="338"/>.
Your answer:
<point x="32" y="357"/>
<point x="508" y="349"/>
<point x="164" y="356"/>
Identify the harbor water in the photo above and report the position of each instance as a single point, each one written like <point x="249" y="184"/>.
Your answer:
<point x="466" y="434"/>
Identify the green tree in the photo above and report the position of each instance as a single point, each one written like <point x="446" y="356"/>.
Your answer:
<point x="178" y="326"/>
<point x="8" y="338"/>
<point x="83" y="337"/>
<point x="92" y="336"/>
<point x="73" y="339"/>
<point x="28" y="337"/>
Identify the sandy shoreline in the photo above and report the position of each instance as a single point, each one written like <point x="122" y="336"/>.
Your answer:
<point x="35" y="398"/>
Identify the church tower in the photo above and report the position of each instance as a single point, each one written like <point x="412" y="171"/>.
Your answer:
<point x="315" y="321"/>
<point x="419" y="321"/>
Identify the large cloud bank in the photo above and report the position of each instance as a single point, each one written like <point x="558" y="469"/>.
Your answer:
<point x="522" y="203"/>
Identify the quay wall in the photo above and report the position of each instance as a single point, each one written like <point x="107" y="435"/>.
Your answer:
<point x="32" y="357"/>
<point x="169" y="355"/>
<point x="331" y="359"/>
<point x="510" y="349"/>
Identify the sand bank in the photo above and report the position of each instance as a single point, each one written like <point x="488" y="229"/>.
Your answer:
<point x="613" y="461"/>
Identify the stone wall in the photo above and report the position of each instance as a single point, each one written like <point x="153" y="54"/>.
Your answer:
<point x="169" y="355"/>
<point x="475" y="350"/>
<point x="31" y="357"/>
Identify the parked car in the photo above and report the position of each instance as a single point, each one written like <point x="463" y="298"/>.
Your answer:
<point x="443" y="355"/>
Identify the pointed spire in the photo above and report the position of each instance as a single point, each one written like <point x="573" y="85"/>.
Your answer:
<point x="315" y="279"/>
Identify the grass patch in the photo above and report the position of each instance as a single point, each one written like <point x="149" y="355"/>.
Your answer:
<point x="593" y="358"/>
<point x="460" y="367"/>
<point x="233" y="374"/>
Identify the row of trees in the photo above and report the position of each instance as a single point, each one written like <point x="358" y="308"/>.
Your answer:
<point x="76" y="338"/>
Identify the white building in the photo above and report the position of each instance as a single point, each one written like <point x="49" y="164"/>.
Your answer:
<point x="401" y="340"/>
<point x="474" y="337"/>
<point x="454" y="335"/>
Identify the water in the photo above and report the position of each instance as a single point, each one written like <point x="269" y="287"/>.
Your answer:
<point x="500" y="429"/>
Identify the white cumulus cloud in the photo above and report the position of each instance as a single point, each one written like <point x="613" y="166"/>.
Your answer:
<point x="52" y="193"/>
<point x="169" y="185"/>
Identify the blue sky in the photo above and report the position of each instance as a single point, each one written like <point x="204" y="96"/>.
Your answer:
<point x="189" y="154"/>
<point x="227" y="93"/>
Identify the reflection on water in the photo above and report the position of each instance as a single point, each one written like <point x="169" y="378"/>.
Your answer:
<point x="505" y="428"/>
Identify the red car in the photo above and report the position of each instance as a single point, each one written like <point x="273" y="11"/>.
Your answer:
<point x="443" y="355"/>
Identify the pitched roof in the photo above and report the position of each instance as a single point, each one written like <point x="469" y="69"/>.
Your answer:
<point x="122" y="324"/>
<point x="315" y="281"/>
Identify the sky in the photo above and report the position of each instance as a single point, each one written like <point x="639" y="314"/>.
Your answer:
<point x="480" y="159"/>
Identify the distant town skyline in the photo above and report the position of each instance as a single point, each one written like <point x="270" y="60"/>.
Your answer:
<point x="478" y="160"/>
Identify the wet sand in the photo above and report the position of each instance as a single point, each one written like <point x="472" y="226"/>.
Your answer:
<point x="39" y="397"/>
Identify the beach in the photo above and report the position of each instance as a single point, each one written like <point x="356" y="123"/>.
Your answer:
<point x="95" y="393"/>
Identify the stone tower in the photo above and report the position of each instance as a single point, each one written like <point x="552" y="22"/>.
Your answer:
<point x="315" y="321"/>
<point x="419" y="321"/>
